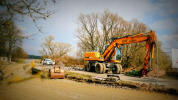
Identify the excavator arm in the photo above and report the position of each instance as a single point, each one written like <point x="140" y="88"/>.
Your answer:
<point x="149" y="48"/>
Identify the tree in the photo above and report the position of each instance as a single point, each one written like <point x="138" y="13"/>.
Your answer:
<point x="10" y="35"/>
<point x="163" y="58"/>
<point x="108" y="25"/>
<point x="47" y="48"/>
<point x="87" y="33"/>
<point x="61" y="49"/>
<point x="112" y="26"/>
<point x="35" y="9"/>
<point x="10" y="38"/>
<point x="3" y="40"/>
<point x="54" y="49"/>
<point x="10" y="41"/>
<point x="19" y="52"/>
<point x="14" y="37"/>
<point x="133" y="54"/>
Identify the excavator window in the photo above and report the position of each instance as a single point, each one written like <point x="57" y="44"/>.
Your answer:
<point x="118" y="53"/>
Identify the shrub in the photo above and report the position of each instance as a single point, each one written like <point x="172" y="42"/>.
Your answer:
<point x="18" y="60"/>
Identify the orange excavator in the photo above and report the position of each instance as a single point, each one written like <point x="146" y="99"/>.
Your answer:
<point x="111" y="57"/>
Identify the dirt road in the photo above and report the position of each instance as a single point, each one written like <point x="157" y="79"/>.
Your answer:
<point x="62" y="89"/>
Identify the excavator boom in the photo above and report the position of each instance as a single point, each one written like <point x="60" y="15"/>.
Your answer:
<point x="117" y="42"/>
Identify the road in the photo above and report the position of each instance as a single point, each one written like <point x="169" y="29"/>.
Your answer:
<point x="170" y="83"/>
<point x="62" y="89"/>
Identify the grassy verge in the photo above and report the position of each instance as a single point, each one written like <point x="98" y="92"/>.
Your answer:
<point x="77" y="75"/>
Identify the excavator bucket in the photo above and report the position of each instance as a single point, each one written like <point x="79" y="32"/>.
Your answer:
<point x="152" y="36"/>
<point x="56" y="72"/>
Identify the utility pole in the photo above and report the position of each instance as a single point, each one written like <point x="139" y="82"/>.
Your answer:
<point x="150" y="60"/>
<point x="157" y="64"/>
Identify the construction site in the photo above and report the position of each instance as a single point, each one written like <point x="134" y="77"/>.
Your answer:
<point x="88" y="50"/>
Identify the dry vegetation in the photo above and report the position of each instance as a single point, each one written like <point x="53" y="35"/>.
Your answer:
<point x="97" y="29"/>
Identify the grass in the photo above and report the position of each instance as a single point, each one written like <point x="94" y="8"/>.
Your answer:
<point x="78" y="75"/>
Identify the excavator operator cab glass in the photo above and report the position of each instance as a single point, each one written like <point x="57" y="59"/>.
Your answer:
<point x="118" y="53"/>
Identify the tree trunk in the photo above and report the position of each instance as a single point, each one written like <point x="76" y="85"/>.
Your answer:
<point x="10" y="52"/>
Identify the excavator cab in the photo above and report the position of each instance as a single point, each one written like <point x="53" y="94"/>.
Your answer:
<point x="118" y="53"/>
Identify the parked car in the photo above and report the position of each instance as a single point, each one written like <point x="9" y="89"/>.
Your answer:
<point x="48" y="62"/>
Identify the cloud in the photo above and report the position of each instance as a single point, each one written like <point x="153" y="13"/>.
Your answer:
<point x="166" y="7"/>
<point x="170" y="37"/>
<point x="165" y="24"/>
<point x="170" y="40"/>
<point x="165" y="15"/>
<point x="62" y="24"/>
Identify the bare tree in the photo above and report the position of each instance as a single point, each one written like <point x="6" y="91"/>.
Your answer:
<point x="88" y="30"/>
<point x="133" y="54"/>
<point x="61" y="49"/>
<point x="14" y="37"/>
<point x="10" y="38"/>
<point x="54" y="49"/>
<point x="19" y="52"/>
<point x="3" y="29"/>
<point x="110" y="25"/>
<point x="35" y="9"/>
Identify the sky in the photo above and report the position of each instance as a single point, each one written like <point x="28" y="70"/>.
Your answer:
<point x="160" y="15"/>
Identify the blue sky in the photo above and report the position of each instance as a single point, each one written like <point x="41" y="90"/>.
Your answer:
<point x="159" y="15"/>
